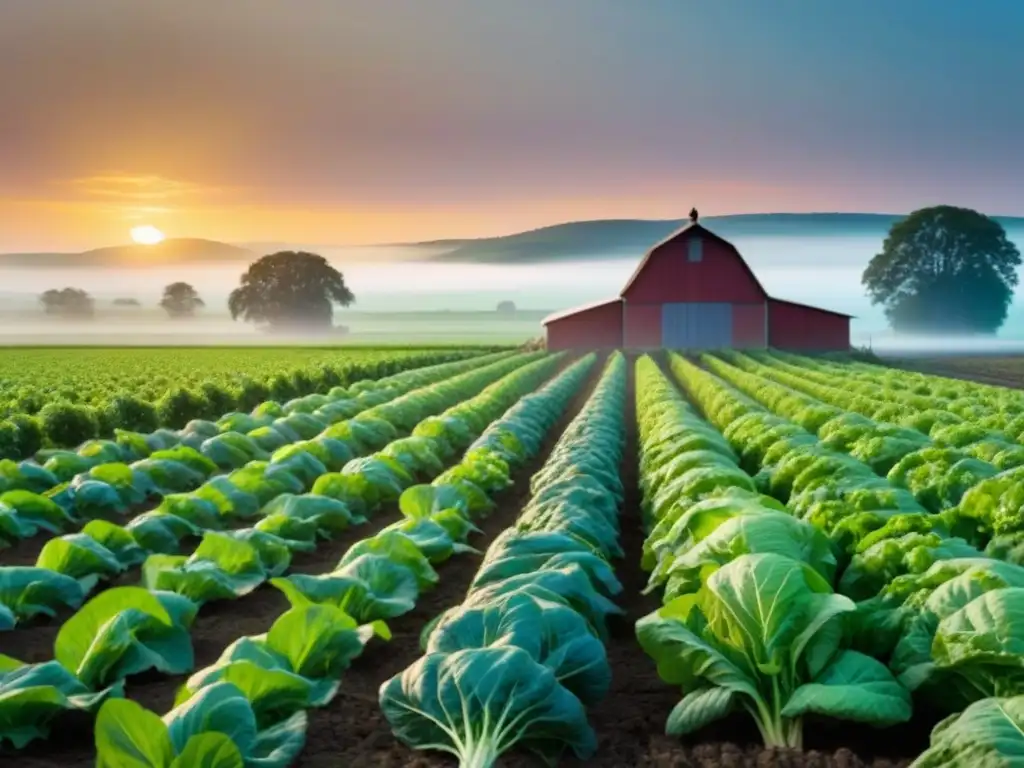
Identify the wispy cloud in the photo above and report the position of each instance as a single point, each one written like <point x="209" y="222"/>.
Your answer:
<point x="130" y="188"/>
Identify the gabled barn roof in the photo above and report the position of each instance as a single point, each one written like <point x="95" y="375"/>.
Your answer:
<point x="576" y="310"/>
<point x="688" y="230"/>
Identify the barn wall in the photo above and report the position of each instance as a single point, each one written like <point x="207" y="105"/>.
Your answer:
<point x="641" y="325"/>
<point x="806" y="329"/>
<point x="669" y="275"/>
<point x="748" y="325"/>
<point x="594" y="328"/>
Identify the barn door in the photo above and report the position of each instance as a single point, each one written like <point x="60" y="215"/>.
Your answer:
<point x="696" y="325"/>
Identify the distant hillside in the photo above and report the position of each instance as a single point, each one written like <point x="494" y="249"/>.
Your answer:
<point x="169" y="252"/>
<point x="614" y="237"/>
<point x="606" y="238"/>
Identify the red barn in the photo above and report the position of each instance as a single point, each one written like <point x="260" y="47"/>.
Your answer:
<point x="693" y="290"/>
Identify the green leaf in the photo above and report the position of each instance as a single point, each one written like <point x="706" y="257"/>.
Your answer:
<point x="124" y="631"/>
<point x="319" y="641"/>
<point x="370" y="588"/>
<point x="555" y="636"/>
<point x="853" y="687"/>
<point x="220" y="707"/>
<point x="28" y="591"/>
<point x="699" y="707"/>
<point x="33" y="695"/>
<point x="130" y="736"/>
<point x="279" y="746"/>
<point x="571" y="586"/>
<point x="80" y="557"/>
<point x="209" y="750"/>
<point x="274" y="691"/>
<point x="477" y="704"/>
<point x="398" y="548"/>
<point x="989" y="732"/>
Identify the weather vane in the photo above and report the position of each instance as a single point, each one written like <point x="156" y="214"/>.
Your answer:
<point x="693" y="215"/>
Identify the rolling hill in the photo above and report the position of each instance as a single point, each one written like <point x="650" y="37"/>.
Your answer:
<point x="605" y="238"/>
<point x="615" y="237"/>
<point x="168" y="253"/>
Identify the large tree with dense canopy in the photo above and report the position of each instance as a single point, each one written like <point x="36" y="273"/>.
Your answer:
<point x="944" y="270"/>
<point x="290" y="289"/>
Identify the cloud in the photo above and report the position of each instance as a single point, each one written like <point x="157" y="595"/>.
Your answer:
<point x="141" y="188"/>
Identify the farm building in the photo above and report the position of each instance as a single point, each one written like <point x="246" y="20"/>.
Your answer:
<point x="693" y="290"/>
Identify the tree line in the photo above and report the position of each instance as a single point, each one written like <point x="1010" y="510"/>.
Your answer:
<point x="285" y="290"/>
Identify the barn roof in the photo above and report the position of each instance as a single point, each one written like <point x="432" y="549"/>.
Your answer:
<point x="692" y="228"/>
<point x="576" y="310"/>
<point x="808" y="306"/>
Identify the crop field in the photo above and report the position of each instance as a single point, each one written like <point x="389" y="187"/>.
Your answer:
<point x="1006" y="371"/>
<point x="59" y="397"/>
<point x="515" y="558"/>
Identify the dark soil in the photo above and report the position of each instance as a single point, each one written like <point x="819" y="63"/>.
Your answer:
<point x="352" y="730"/>
<point x="26" y="551"/>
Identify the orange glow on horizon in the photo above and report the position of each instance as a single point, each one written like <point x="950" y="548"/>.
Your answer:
<point x="105" y="205"/>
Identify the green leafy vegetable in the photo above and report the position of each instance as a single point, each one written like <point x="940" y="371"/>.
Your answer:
<point x="477" y="704"/>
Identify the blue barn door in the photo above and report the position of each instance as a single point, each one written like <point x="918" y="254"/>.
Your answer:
<point x="696" y="325"/>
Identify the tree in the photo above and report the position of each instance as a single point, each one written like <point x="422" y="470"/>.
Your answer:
<point x="181" y="300"/>
<point x="290" y="289"/>
<point x="67" y="302"/>
<point x="127" y="302"/>
<point x="944" y="270"/>
<point x="506" y="307"/>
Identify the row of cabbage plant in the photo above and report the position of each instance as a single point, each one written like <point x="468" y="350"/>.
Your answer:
<point x="896" y="388"/>
<point x="933" y="608"/>
<point x="362" y="488"/>
<point x="750" y="621"/>
<point x="519" y="660"/>
<point x="267" y="682"/>
<point x="110" y="478"/>
<point x="969" y="498"/>
<point x="962" y="397"/>
<point x="129" y="630"/>
<point x="990" y="437"/>
<point x="58" y="413"/>
<point x="69" y="566"/>
<point x="227" y="564"/>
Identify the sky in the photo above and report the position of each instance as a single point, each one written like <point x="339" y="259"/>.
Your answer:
<point x="361" y="121"/>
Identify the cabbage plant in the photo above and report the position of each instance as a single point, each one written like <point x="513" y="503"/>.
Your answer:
<point x="124" y="631"/>
<point x="989" y="732"/>
<point x="32" y="696"/>
<point x="29" y="591"/>
<point x="763" y="634"/>
<point x="966" y="646"/>
<point x="476" y="704"/>
<point x="295" y="665"/>
<point x="217" y="728"/>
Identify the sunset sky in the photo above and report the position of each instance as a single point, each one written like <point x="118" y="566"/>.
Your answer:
<point x="353" y="121"/>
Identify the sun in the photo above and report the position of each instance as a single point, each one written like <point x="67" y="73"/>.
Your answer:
<point x="147" y="235"/>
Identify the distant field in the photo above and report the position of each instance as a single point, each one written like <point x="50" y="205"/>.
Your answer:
<point x="1000" y="370"/>
<point x="149" y="327"/>
<point x="131" y="387"/>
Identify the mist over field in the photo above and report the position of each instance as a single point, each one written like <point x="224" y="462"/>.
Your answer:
<point x="408" y="294"/>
